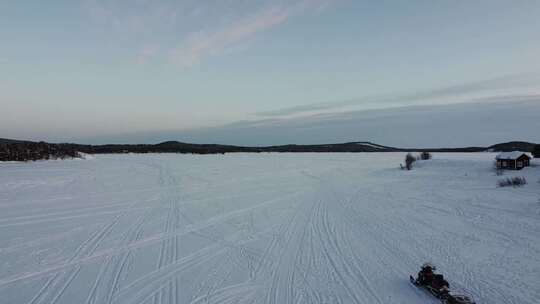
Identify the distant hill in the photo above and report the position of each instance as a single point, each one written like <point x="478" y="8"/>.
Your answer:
<point x="26" y="150"/>
<point x="11" y="141"/>
<point x="513" y="146"/>
<point x="342" y="147"/>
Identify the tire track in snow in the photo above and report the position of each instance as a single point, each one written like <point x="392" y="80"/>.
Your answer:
<point x="355" y="266"/>
<point x="57" y="284"/>
<point x="311" y="258"/>
<point x="333" y="253"/>
<point x="144" y="242"/>
<point x="336" y="243"/>
<point x="330" y="247"/>
<point x="168" y="250"/>
<point x="91" y="299"/>
<point x="388" y="235"/>
<point x="371" y="225"/>
<point x="264" y="260"/>
<point x="115" y="266"/>
<point x="209" y="288"/>
<point x="69" y="217"/>
<point x="303" y="283"/>
<point x="229" y="294"/>
<point x="237" y="256"/>
<point x="75" y="212"/>
<point x="285" y="275"/>
<point x="40" y="241"/>
<point x="147" y="286"/>
<point x="368" y="224"/>
<point x="168" y="253"/>
<point x="276" y="275"/>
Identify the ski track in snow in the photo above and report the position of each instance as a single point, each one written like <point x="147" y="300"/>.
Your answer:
<point x="264" y="228"/>
<point x="57" y="284"/>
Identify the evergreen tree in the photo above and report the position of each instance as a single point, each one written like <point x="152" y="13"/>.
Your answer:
<point x="536" y="151"/>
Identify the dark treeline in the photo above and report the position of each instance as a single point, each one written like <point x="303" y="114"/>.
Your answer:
<point x="180" y="147"/>
<point x="25" y="151"/>
<point x="13" y="150"/>
<point x="166" y="147"/>
<point x="536" y="151"/>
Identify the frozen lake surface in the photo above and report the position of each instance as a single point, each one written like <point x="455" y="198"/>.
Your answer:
<point x="264" y="228"/>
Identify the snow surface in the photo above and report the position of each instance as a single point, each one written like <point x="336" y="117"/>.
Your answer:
<point x="264" y="228"/>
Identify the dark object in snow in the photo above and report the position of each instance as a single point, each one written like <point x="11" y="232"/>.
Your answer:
<point x="514" y="182"/>
<point x="409" y="160"/>
<point x="515" y="160"/>
<point x="436" y="285"/>
<point x="425" y="155"/>
<point x="536" y="151"/>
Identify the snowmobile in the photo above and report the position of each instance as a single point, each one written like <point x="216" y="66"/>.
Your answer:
<point x="437" y="286"/>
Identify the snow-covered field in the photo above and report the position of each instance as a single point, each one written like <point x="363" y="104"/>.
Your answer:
<point x="264" y="228"/>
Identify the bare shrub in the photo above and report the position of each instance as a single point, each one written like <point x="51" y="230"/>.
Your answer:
<point x="409" y="161"/>
<point x="425" y="155"/>
<point x="514" y="182"/>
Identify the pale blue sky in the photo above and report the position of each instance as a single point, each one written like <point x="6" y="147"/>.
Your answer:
<point x="71" y="70"/>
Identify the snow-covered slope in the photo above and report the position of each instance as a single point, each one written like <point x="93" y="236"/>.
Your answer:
<point x="264" y="228"/>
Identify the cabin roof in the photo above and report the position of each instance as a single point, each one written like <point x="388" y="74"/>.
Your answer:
<point x="511" y="155"/>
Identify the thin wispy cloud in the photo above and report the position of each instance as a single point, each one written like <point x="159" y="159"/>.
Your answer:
<point x="201" y="44"/>
<point x="146" y="53"/>
<point x="198" y="30"/>
<point x="206" y="43"/>
<point x="401" y="127"/>
<point x="139" y="18"/>
<point x="480" y="90"/>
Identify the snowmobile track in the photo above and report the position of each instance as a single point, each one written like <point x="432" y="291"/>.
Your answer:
<point x="264" y="228"/>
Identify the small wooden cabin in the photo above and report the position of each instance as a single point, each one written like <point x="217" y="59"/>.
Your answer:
<point x="515" y="160"/>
